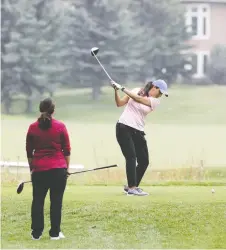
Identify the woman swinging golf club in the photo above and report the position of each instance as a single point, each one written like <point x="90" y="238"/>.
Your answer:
<point x="48" y="152"/>
<point x="130" y="129"/>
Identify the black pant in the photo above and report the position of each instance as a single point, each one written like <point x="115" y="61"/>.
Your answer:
<point x="134" y="148"/>
<point x="55" y="180"/>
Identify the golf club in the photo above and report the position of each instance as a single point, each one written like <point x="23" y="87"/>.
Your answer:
<point x="21" y="185"/>
<point x="94" y="52"/>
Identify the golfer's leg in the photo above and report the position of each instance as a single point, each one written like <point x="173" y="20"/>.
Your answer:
<point x="142" y="156"/>
<point x="58" y="184"/>
<point x="40" y="190"/>
<point x="125" y="141"/>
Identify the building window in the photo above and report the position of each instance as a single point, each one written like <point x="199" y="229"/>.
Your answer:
<point x="205" y="63"/>
<point x="194" y="25"/>
<point x="202" y="62"/>
<point x="199" y="61"/>
<point x="194" y="62"/>
<point x="198" y="20"/>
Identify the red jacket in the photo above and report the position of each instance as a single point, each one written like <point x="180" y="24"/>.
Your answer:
<point x="48" y="148"/>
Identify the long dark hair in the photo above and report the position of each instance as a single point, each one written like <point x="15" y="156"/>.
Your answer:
<point x="144" y="91"/>
<point x="46" y="107"/>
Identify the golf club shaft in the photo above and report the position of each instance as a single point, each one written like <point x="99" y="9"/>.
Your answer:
<point x="88" y="170"/>
<point x="103" y="68"/>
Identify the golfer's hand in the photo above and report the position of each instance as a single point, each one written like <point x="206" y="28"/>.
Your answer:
<point x="31" y="172"/>
<point x="116" y="86"/>
<point x="68" y="173"/>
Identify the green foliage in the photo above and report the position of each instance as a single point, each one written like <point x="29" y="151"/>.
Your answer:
<point x="47" y="43"/>
<point x="31" y="62"/>
<point x="96" y="24"/>
<point x="216" y="68"/>
<point x="165" y="36"/>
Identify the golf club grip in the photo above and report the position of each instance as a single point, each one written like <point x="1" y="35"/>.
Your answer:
<point x="88" y="170"/>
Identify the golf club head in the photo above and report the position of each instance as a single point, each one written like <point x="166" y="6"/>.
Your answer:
<point x="94" y="51"/>
<point x="20" y="188"/>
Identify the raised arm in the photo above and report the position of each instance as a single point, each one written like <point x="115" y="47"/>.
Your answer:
<point x="120" y="101"/>
<point x="131" y="94"/>
<point x="137" y="98"/>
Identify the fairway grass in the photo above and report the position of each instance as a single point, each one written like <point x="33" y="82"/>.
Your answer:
<point x="103" y="217"/>
<point x="95" y="145"/>
<point x="187" y="130"/>
<point x="200" y="105"/>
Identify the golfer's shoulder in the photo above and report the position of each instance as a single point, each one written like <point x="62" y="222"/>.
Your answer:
<point x="136" y="90"/>
<point x="33" y="125"/>
<point x="58" y="123"/>
<point x="154" y="101"/>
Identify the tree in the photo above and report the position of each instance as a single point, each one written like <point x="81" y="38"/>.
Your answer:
<point x="216" y="69"/>
<point x="165" y="37"/>
<point x="31" y="53"/>
<point x="47" y="43"/>
<point x="97" y="23"/>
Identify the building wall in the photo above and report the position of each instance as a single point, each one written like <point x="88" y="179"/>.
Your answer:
<point x="217" y="29"/>
<point x="215" y="32"/>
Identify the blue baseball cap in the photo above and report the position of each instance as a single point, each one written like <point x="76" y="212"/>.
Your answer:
<point x="161" y="84"/>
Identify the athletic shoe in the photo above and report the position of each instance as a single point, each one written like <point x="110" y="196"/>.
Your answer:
<point x="35" y="237"/>
<point x="136" y="192"/>
<point x="126" y="188"/>
<point x="55" y="238"/>
<point x="141" y="191"/>
<point x="61" y="236"/>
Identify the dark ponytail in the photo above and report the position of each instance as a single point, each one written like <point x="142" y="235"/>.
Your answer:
<point x="46" y="107"/>
<point x="144" y="91"/>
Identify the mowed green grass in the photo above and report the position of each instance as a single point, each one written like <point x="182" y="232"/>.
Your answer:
<point x="186" y="104"/>
<point x="187" y="130"/>
<point x="103" y="217"/>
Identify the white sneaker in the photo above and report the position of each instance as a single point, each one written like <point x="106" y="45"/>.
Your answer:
<point x="136" y="192"/>
<point x="32" y="237"/>
<point x="55" y="238"/>
<point x="125" y="189"/>
<point x="61" y="235"/>
<point x="141" y="191"/>
<point x="35" y="238"/>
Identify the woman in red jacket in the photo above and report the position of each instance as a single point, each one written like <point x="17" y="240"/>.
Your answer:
<point x="48" y="152"/>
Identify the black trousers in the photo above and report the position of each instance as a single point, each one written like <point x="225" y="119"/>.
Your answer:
<point x="55" y="181"/>
<point x="134" y="148"/>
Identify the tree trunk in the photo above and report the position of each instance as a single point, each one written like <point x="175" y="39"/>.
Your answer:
<point x="51" y="94"/>
<point x="96" y="91"/>
<point x="29" y="106"/>
<point x="7" y="105"/>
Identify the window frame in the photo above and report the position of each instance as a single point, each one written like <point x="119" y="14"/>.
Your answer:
<point x="200" y="61"/>
<point x="200" y="17"/>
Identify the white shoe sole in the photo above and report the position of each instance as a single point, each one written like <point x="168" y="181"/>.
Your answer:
<point x="55" y="238"/>
<point x="61" y="236"/>
<point x="137" y="194"/>
<point x="35" y="239"/>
